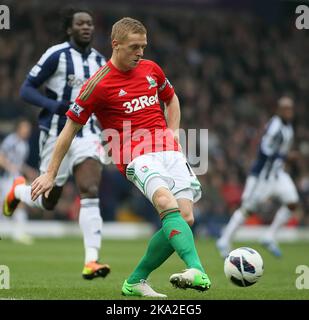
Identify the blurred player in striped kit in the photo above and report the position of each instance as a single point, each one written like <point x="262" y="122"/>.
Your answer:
<point x="63" y="69"/>
<point x="268" y="179"/>
<point x="14" y="152"/>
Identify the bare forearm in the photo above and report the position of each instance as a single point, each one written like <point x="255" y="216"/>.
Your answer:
<point x="44" y="183"/>
<point x="173" y="113"/>
<point x="62" y="146"/>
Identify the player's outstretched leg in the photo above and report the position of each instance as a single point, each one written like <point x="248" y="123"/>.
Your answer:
<point x="175" y="235"/>
<point x="87" y="177"/>
<point x="180" y="237"/>
<point x="10" y="201"/>
<point x="91" y="225"/>
<point x="158" y="251"/>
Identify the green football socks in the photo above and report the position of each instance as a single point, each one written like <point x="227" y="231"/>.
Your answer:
<point x="157" y="252"/>
<point x="175" y="235"/>
<point x="180" y="236"/>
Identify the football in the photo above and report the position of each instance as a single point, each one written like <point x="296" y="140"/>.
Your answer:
<point x="243" y="266"/>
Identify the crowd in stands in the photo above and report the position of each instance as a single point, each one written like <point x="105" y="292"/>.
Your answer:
<point x="228" y="70"/>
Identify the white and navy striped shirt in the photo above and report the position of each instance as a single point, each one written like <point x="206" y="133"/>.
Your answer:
<point x="15" y="150"/>
<point x="273" y="149"/>
<point x="63" y="70"/>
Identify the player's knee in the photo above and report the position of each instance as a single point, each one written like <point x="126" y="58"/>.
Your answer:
<point x="163" y="200"/>
<point x="89" y="191"/>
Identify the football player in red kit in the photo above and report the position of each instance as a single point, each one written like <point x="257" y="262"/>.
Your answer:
<point x="124" y="95"/>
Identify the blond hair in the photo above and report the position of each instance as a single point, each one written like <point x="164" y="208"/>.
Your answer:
<point x="126" y="25"/>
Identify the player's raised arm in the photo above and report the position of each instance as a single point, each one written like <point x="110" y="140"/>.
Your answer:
<point x="44" y="183"/>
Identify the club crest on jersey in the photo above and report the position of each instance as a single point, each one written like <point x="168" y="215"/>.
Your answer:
<point x="76" y="109"/>
<point x="144" y="169"/>
<point x="151" y="81"/>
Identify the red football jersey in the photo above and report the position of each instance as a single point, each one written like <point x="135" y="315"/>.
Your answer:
<point x="128" y="103"/>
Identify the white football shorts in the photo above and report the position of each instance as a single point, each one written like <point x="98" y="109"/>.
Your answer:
<point x="171" y="167"/>
<point x="88" y="146"/>
<point x="258" y="190"/>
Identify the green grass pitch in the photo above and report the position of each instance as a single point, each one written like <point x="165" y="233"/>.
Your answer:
<point x="51" y="269"/>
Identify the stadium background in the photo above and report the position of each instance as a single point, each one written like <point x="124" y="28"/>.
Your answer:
<point x="228" y="64"/>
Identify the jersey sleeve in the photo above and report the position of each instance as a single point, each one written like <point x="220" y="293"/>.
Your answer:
<point x="166" y="90"/>
<point x="44" y="68"/>
<point x="84" y="105"/>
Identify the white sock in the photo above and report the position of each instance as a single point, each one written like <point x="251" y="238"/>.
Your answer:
<point x="20" y="218"/>
<point x="91" y="254"/>
<point x="91" y="224"/>
<point x="23" y="193"/>
<point x="281" y="217"/>
<point x="20" y="215"/>
<point x="236" y="220"/>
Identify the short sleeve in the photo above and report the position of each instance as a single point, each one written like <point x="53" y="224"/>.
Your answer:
<point x="166" y="90"/>
<point x="84" y="105"/>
